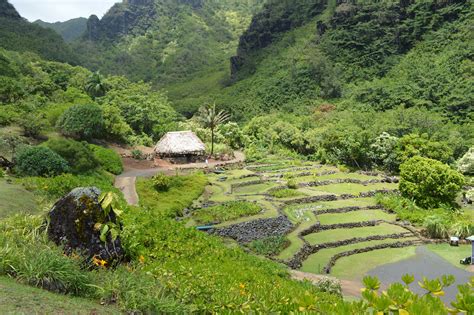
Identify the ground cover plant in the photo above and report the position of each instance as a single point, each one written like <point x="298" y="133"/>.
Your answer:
<point x="226" y="211"/>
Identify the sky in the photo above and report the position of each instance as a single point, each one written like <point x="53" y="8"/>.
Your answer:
<point x="61" y="10"/>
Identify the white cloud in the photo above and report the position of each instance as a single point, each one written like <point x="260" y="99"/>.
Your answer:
<point x="61" y="10"/>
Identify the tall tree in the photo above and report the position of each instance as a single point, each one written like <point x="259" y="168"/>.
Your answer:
<point x="96" y="85"/>
<point x="211" y="118"/>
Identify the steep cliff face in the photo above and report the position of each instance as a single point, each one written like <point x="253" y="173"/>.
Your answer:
<point x="364" y="32"/>
<point x="165" y="41"/>
<point x="121" y="20"/>
<point x="8" y="11"/>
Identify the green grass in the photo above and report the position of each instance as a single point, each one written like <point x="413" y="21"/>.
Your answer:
<point x="343" y="234"/>
<point x="451" y="253"/>
<point x="355" y="267"/>
<point x="286" y="193"/>
<point x="254" y="189"/>
<point x="225" y="212"/>
<point x="16" y="199"/>
<point x="316" y="262"/>
<point x="16" y="298"/>
<point x="339" y="175"/>
<point x="323" y="205"/>
<point x="355" y="189"/>
<point x="269" y="211"/>
<point x="355" y="216"/>
<point x="295" y="242"/>
<point x="183" y="191"/>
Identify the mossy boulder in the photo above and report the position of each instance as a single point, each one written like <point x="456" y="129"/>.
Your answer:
<point x="74" y="222"/>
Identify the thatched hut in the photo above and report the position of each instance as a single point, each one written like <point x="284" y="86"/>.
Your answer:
<point x="181" y="147"/>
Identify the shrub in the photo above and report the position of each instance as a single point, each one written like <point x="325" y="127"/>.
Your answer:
<point x="429" y="182"/>
<point x="83" y="122"/>
<point x="137" y="154"/>
<point x="330" y="285"/>
<point x="79" y="156"/>
<point x="285" y="193"/>
<point x="462" y="228"/>
<point x="269" y="246"/>
<point x="108" y="159"/>
<point x="2" y="173"/>
<point x="33" y="125"/>
<point x="292" y="184"/>
<point x="226" y="211"/>
<point x="436" y="226"/>
<point x="466" y="163"/>
<point x="40" y="161"/>
<point x="161" y="182"/>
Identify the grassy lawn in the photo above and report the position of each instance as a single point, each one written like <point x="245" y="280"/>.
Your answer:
<point x="316" y="262"/>
<point x="343" y="234"/>
<point x="295" y="242"/>
<point x="338" y="175"/>
<point x="16" y="199"/>
<point x="451" y="253"/>
<point x="323" y="205"/>
<point x="171" y="202"/>
<point x="355" y="216"/>
<point x="226" y="212"/>
<point x="355" y="267"/>
<point x="355" y="189"/>
<point x="269" y="211"/>
<point x="255" y="189"/>
<point x="16" y="298"/>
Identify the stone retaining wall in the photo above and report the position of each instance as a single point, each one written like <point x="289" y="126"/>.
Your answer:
<point x="338" y="256"/>
<point x="297" y="261"/>
<point x="348" y="209"/>
<point x="253" y="230"/>
<point x="348" y="180"/>
<point x="318" y="227"/>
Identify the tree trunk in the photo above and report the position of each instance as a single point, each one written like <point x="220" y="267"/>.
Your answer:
<point x="212" y="142"/>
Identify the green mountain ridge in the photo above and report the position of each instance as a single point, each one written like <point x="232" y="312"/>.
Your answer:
<point x="69" y="30"/>
<point x="20" y="35"/>
<point x="165" y="41"/>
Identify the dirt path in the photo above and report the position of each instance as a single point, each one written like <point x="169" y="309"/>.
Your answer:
<point x="127" y="186"/>
<point x="351" y="288"/>
<point x="126" y="181"/>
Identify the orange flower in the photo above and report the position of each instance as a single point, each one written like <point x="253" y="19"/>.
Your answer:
<point x="141" y="259"/>
<point x="99" y="262"/>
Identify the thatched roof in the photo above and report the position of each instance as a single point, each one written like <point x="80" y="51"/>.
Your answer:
<point x="180" y="143"/>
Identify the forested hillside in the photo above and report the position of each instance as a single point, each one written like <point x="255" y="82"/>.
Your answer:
<point x="18" y="34"/>
<point x="165" y="41"/>
<point x="69" y="30"/>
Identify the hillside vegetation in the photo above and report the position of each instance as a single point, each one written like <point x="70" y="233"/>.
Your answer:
<point x="69" y="30"/>
<point x="19" y="35"/>
<point x="165" y="41"/>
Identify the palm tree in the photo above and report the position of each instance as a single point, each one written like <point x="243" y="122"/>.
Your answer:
<point x="96" y="86"/>
<point x="211" y="119"/>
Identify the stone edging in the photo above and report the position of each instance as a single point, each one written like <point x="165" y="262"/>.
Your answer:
<point x="307" y="249"/>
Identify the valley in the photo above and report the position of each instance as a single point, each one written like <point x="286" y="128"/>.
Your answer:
<point x="260" y="156"/>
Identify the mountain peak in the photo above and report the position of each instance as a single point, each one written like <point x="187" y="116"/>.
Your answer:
<point x="7" y="10"/>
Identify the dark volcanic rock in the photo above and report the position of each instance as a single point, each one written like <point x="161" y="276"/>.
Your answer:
<point x="72" y="224"/>
<point x="253" y="230"/>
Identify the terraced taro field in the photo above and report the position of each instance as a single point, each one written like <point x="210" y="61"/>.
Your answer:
<point x="329" y="219"/>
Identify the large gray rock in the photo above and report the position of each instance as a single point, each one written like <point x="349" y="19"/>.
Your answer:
<point x="73" y="224"/>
